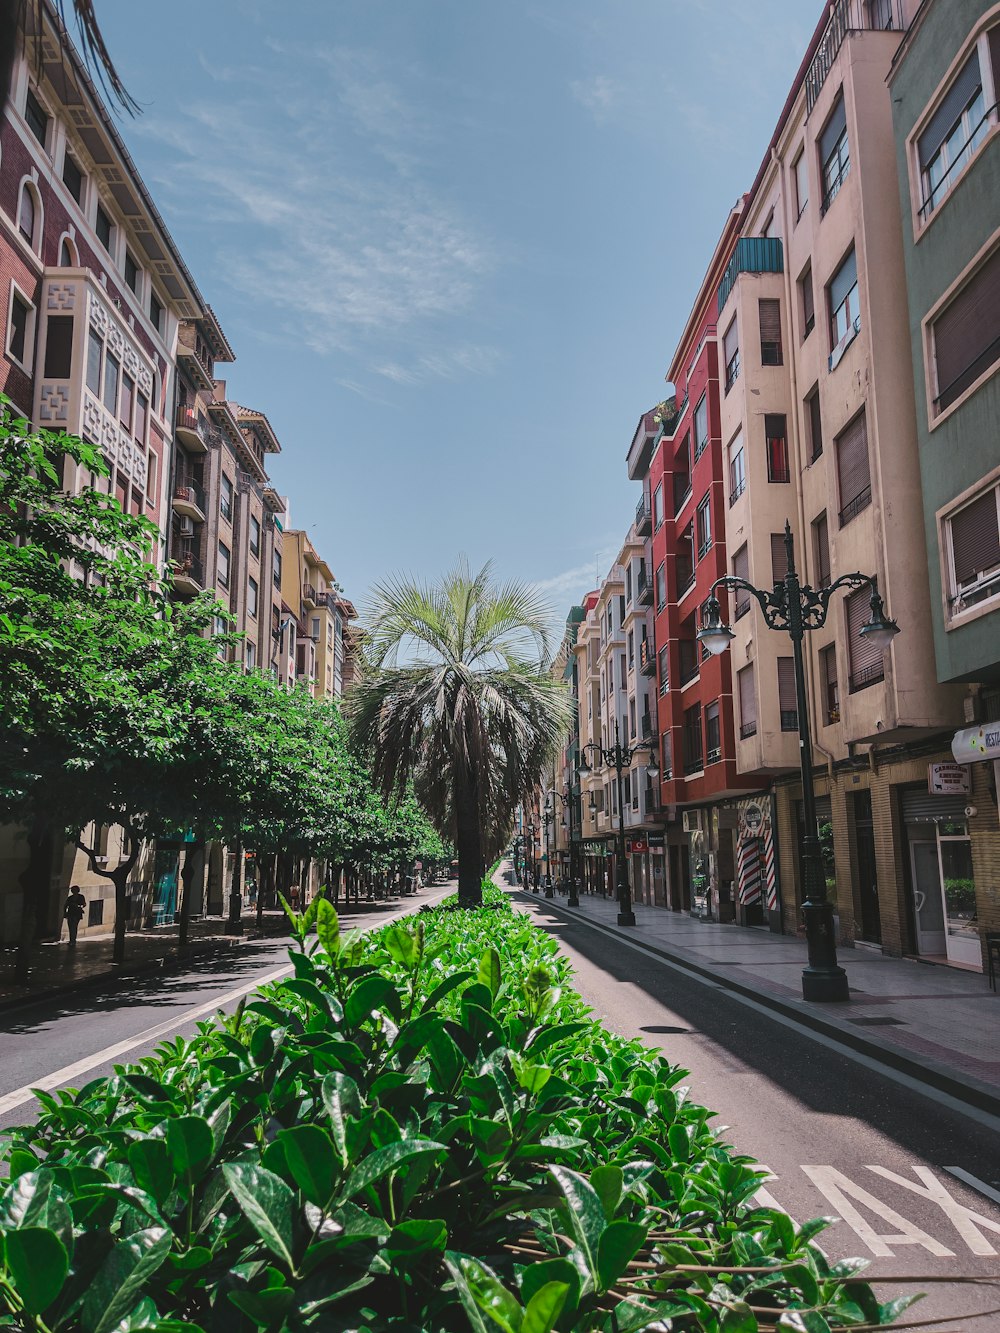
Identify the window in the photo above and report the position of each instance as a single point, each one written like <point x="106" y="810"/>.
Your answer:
<point x="853" y="470"/>
<point x="276" y="569"/>
<point x="126" y="401"/>
<point x="58" y="347"/>
<point x="141" y="417"/>
<point x="806" y="300"/>
<point x="703" y="520"/>
<point x="631" y="719"/>
<point x="103" y="227"/>
<point x="845" y="312"/>
<point x="155" y="312"/>
<point x="251" y="656"/>
<point x="779" y="557"/>
<point x="815" y="424"/>
<point x="658" y="505"/>
<point x="95" y="350"/>
<point x="731" y="354"/>
<point x="834" y="154"/>
<point x="682" y="474"/>
<point x="821" y="551"/>
<point x="666" y="757"/>
<point x="966" y="334"/>
<point x="880" y="15"/>
<point x="713" y="734"/>
<point x="72" y="177"/>
<point x="684" y="561"/>
<point x="26" y="214"/>
<point x="661" y="587"/>
<point x="694" y="758"/>
<point x="688" y="661"/>
<point x="801" y="170"/>
<point x="223" y="565"/>
<point x="67" y="259"/>
<point x="131" y="273"/>
<point x="36" y="116"/>
<point x="748" y="702"/>
<point x="787" y="699"/>
<point x="741" y="569"/>
<point x="974" y="551"/>
<point x="828" y="677"/>
<point x="20" y="320"/>
<point x="151" y="479"/>
<point x="776" y="440"/>
<point x="700" y="427"/>
<point x="770" y="332"/>
<point x="254" y="535"/>
<point x="865" y="658"/>
<point x="737" y="469"/>
<point x="253" y="595"/>
<point x="226" y="498"/>
<point x="956" y="130"/>
<point x="664" y="670"/>
<point x="111" y="372"/>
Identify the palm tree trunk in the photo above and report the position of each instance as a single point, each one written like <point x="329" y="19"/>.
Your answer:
<point x="469" y="837"/>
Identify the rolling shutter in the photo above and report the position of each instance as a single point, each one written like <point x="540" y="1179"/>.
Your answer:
<point x="852" y="461"/>
<point x="779" y="557"/>
<point x="730" y="343"/>
<point x="822" y="553"/>
<point x="943" y="121"/>
<point x="808" y="305"/>
<point x="921" y="807"/>
<point x="787" y="702"/>
<point x="865" y="656"/>
<point x="843" y="280"/>
<point x="967" y="334"/>
<point x="832" y="131"/>
<point x="741" y="568"/>
<point x="748" y="698"/>
<point x="770" y="332"/>
<point x="975" y="538"/>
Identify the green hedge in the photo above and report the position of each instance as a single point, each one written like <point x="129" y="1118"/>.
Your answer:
<point x="423" y="1129"/>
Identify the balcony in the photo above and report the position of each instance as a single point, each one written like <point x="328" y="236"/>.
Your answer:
<point x="748" y="729"/>
<point x="737" y="491"/>
<point x="848" y="16"/>
<point x="685" y="582"/>
<point x="309" y="595"/>
<point x="646" y="727"/>
<point x="643" y="589"/>
<point x="189" y="499"/>
<point x="198" y="372"/>
<point x="789" y="719"/>
<point x="643" y="518"/>
<point x="647" y="658"/>
<point x="871" y="675"/>
<point x="191" y="428"/>
<point x="855" y="507"/>
<point x="753" y="254"/>
<point x="188" y="573"/>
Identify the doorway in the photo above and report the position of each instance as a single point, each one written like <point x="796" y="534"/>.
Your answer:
<point x="928" y="906"/>
<point x="867" y="881"/>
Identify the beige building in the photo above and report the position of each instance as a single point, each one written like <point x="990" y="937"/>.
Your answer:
<point x="819" y="430"/>
<point x="320" y="613"/>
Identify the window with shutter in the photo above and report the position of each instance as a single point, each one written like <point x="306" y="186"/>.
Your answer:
<point x="967" y="334"/>
<point x="731" y="353"/>
<point x="713" y="734"/>
<point x="853" y="471"/>
<point x="975" y="550"/>
<point x="808" y="305"/>
<point x="664" y="671"/>
<point x="694" y="757"/>
<point x="866" y="660"/>
<point x="828" y="673"/>
<point x="776" y="437"/>
<point x="821" y="547"/>
<point x="787" y="702"/>
<point x="748" y="702"/>
<point x="741" y="568"/>
<point x="666" y="757"/>
<point x="955" y="131"/>
<point x="779" y="557"/>
<point x="845" y="310"/>
<point x="815" y="421"/>
<point x="737" y="469"/>
<point x="801" y="170"/>
<point x="770" y="332"/>
<point x="834" y="154"/>
<point x="700" y="426"/>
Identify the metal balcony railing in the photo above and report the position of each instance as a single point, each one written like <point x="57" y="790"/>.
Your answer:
<point x="643" y="517"/>
<point x="848" y="16"/>
<point x="191" y="491"/>
<point x="753" y="254"/>
<point x="854" y="508"/>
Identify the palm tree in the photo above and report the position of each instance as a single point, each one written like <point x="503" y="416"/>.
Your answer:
<point x="454" y="694"/>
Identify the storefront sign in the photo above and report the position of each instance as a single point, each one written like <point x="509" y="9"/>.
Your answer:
<point x="753" y="818"/>
<point x="948" y="780"/>
<point x="977" y="743"/>
<point x="655" y="841"/>
<point x="637" y="846"/>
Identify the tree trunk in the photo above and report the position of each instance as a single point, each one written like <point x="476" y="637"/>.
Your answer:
<point x="192" y="855"/>
<point x="34" y="881"/>
<point x="119" y="878"/>
<point x="469" y="837"/>
<point x="234" y="924"/>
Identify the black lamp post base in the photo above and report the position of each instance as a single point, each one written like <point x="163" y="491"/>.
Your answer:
<point x="626" y="918"/>
<point x="549" y="891"/>
<point x="573" y="900"/>
<point x="825" y="984"/>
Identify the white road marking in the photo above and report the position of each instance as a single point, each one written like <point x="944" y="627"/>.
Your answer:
<point x="68" y="1073"/>
<point x="967" y="1178"/>
<point x="964" y="1220"/>
<point x="837" y="1187"/>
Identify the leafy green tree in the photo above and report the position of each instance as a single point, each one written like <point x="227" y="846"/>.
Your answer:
<point x="454" y="694"/>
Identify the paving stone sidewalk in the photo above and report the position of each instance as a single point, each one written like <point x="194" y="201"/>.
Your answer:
<point x="937" y="1023"/>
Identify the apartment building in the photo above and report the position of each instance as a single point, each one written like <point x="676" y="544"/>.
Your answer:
<point x="561" y="784"/>
<point x="944" y="86"/>
<point x="320" y="613"/>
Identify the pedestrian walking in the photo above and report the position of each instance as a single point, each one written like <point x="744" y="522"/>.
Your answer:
<point x="76" y="905"/>
<point x="293" y="897"/>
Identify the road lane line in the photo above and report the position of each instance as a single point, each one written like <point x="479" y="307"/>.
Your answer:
<point x="69" y="1072"/>
<point x="973" y="1182"/>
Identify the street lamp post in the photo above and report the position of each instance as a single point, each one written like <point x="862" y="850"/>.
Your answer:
<point x="795" y="608"/>
<point x="551" y="796"/>
<point x="548" y="815"/>
<point x="619" y="757"/>
<point x="532" y="835"/>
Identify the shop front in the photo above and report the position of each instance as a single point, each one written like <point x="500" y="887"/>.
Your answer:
<point x="733" y="870"/>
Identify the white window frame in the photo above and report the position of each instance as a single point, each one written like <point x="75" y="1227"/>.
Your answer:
<point x="29" y="333"/>
<point x="737" y="452"/>
<point x="954" y="613"/>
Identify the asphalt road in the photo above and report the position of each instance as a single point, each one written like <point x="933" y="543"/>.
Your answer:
<point x="841" y="1138"/>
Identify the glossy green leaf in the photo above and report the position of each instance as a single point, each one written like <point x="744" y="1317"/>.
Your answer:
<point x="585" y="1214"/>
<point x="191" y="1143"/>
<point x="152" y="1167"/>
<point x="266" y="1202"/>
<point x="38" y="1263"/>
<point x="619" y="1243"/>
<point x="609" y="1182"/>
<point x="680" y="1143"/>
<point x="548" y="1272"/>
<point x="488" y="1305"/>
<point x="20" y="1161"/>
<point x="802" y="1321"/>
<point x="385" y="1160"/>
<point x="120" y="1281"/>
<point x="488" y="973"/>
<point x="266" y="1309"/>
<point x="327" y="926"/>
<point x="370" y="995"/>
<point x="544" y="1308"/>
<point x="309" y="1152"/>
<point x="415" y="1238"/>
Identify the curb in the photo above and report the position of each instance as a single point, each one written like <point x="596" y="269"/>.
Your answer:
<point x="963" y="1088"/>
<point x="172" y="962"/>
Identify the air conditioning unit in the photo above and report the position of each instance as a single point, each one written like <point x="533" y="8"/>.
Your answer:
<point x="186" y="528"/>
<point x="693" y="821"/>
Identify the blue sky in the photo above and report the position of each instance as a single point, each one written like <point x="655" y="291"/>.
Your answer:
<point x="453" y="243"/>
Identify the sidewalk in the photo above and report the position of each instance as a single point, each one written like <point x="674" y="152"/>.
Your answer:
<point x="937" y="1024"/>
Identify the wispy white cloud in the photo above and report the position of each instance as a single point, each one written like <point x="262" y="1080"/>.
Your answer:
<point x="598" y="94"/>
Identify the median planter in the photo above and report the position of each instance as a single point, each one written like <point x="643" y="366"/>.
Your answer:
<point x="422" y="1129"/>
